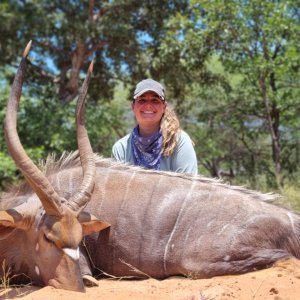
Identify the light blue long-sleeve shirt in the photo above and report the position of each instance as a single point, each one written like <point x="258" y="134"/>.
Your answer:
<point x="182" y="160"/>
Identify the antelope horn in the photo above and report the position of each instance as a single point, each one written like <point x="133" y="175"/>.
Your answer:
<point x="34" y="176"/>
<point x="87" y="158"/>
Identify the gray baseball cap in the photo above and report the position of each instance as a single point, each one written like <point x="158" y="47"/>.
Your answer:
<point x="149" y="85"/>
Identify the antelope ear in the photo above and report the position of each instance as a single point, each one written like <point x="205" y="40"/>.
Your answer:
<point x="10" y="220"/>
<point x="90" y="223"/>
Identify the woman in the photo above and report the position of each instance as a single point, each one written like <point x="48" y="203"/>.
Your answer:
<point x="157" y="142"/>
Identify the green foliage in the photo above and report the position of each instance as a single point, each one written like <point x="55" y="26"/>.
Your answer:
<point x="67" y="35"/>
<point x="291" y="196"/>
<point x="8" y="170"/>
<point x="241" y="102"/>
<point x="48" y="126"/>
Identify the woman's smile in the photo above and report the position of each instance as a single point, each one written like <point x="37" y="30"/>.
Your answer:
<point x="148" y="112"/>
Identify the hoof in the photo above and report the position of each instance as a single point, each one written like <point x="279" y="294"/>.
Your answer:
<point x="89" y="281"/>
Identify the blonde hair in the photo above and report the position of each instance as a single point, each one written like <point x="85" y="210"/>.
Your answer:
<point x="170" y="127"/>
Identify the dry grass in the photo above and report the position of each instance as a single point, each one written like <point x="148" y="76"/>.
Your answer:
<point x="5" y="279"/>
<point x="5" y="284"/>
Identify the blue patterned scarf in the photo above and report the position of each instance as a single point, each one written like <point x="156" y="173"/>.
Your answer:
<point x="146" y="150"/>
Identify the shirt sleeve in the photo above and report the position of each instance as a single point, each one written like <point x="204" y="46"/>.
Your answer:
<point x="116" y="153"/>
<point x="120" y="149"/>
<point x="184" y="157"/>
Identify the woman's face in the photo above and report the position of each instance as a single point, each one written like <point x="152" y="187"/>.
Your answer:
<point x="148" y="109"/>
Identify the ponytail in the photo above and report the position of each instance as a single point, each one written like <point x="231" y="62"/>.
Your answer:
<point x="170" y="127"/>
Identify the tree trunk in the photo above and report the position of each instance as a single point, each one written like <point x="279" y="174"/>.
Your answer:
<point x="69" y="90"/>
<point x="273" y="125"/>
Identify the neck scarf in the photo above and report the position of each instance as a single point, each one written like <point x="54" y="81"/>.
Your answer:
<point x="146" y="150"/>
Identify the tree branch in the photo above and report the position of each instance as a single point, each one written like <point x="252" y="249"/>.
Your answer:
<point x="41" y="72"/>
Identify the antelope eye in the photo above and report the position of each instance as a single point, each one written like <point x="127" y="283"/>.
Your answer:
<point x="47" y="239"/>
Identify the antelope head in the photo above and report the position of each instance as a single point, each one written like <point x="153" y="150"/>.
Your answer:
<point x="49" y="244"/>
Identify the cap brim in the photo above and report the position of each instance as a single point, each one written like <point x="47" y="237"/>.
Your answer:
<point x="147" y="90"/>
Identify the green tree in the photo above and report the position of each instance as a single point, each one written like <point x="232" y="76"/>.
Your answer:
<point x="256" y="41"/>
<point x="259" y="40"/>
<point x="68" y="34"/>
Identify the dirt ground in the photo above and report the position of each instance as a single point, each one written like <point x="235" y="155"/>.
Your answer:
<point x="281" y="282"/>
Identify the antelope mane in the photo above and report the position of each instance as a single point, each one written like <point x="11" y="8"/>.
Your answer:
<point x="69" y="160"/>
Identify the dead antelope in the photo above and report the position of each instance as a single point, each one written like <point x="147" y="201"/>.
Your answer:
<point x="162" y="224"/>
